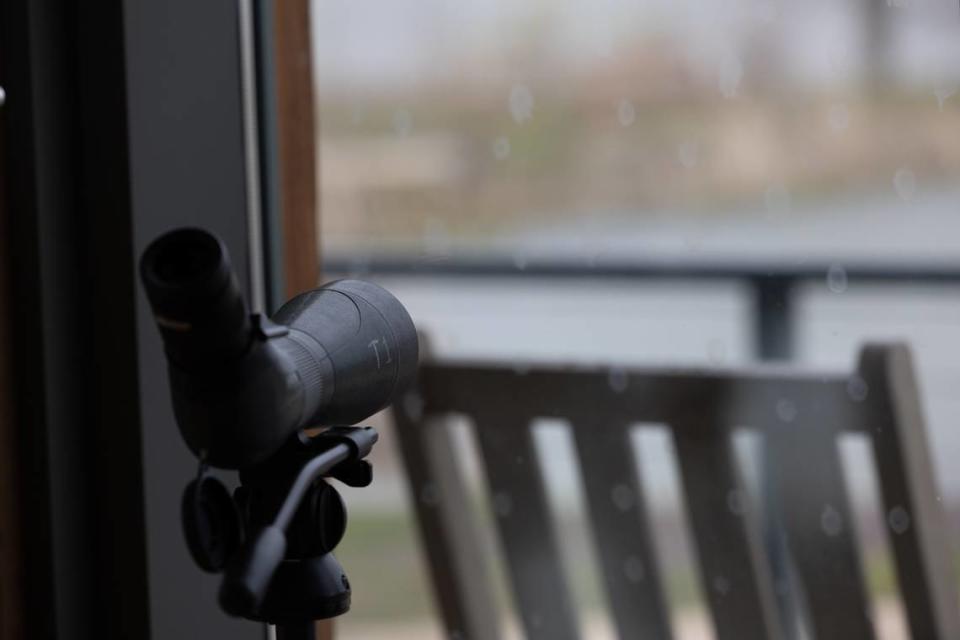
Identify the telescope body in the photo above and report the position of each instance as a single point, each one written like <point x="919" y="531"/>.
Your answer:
<point x="242" y="384"/>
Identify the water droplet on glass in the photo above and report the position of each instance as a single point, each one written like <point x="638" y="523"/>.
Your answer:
<point x="413" y="406"/>
<point x="622" y="497"/>
<point x="730" y="75"/>
<point x="905" y="184"/>
<point x="766" y="12"/>
<point x="617" y="379"/>
<point x="633" y="568"/>
<point x="839" y="117"/>
<point x="777" y="199"/>
<point x="429" y="495"/>
<point x="626" y="113"/>
<point x="535" y="620"/>
<point x="837" y="279"/>
<point x="944" y="93"/>
<point x="521" y="103"/>
<point x="501" y="148"/>
<point x="736" y="502"/>
<point x="402" y="122"/>
<point x="717" y="351"/>
<point x="721" y="585"/>
<point x="521" y="369"/>
<point x="857" y="389"/>
<point x="782" y="587"/>
<point x="436" y="239"/>
<point x="899" y="520"/>
<point x="688" y="153"/>
<point x="786" y="410"/>
<point x="502" y="505"/>
<point x="520" y="261"/>
<point x="831" y="523"/>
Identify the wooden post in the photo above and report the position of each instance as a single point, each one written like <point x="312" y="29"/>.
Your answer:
<point x="297" y="145"/>
<point x="297" y="155"/>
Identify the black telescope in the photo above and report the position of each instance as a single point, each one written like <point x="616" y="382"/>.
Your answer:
<point x="242" y="385"/>
<point x="245" y="388"/>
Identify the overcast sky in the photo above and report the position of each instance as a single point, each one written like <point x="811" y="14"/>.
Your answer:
<point x="391" y="42"/>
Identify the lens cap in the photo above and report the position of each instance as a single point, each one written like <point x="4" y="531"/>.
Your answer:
<point x="211" y="523"/>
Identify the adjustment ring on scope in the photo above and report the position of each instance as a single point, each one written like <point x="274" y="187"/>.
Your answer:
<point x="211" y="523"/>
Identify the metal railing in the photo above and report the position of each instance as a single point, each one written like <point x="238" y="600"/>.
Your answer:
<point x="771" y="285"/>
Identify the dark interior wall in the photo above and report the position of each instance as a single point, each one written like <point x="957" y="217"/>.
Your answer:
<point x="186" y="165"/>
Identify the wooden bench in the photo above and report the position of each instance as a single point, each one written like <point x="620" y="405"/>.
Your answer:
<point x="799" y="416"/>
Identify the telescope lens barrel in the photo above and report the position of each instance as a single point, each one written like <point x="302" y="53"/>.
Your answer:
<point x="195" y="298"/>
<point x="363" y="344"/>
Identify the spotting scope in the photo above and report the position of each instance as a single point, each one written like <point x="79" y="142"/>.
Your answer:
<point x="242" y="384"/>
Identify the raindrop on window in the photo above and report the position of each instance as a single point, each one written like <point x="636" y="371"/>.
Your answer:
<point x="436" y="238"/>
<point x="688" y="153"/>
<point x="617" y="379"/>
<point x="831" y="523"/>
<point x="944" y="93"/>
<point x="766" y="12"/>
<point x="730" y="75"/>
<point x="626" y="113"/>
<point x="786" y="410"/>
<point x="402" y="122"/>
<point x="521" y="369"/>
<point x="839" y="117"/>
<point x="521" y="103"/>
<point x="622" y="497"/>
<point x="905" y="184"/>
<point x="413" y="406"/>
<point x="837" y="279"/>
<point x="429" y="495"/>
<point x="899" y="520"/>
<point x="535" y="620"/>
<point x="721" y="585"/>
<point x="633" y="569"/>
<point x="502" y="505"/>
<point x="501" y="148"/>
<point x="717" y="352"/>
<point x="520" y="261"/>
<point x="857" y="388"/>
<point x="736" y="502"/>
<point x="777" y="199"/>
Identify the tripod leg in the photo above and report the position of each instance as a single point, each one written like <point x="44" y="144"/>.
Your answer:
<point x="297" y="631"/>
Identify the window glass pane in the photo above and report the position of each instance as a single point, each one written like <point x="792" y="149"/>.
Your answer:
<point x="607" y="181"/>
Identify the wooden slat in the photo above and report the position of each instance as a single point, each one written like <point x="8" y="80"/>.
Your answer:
<point x="734" y="579"/>
<point x="815" y="513"/>
<point x="525" y="524"/>
<point x="618" y="518"/>
<point x="911" y="501"/>
<point x="653" y="395"/>
<point x="448" y="527"/>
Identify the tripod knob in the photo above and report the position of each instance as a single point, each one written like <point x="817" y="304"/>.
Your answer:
<point x="319" y="524"/>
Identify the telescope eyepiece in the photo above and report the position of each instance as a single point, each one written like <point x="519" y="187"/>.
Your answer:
<point x="195" y="298"/>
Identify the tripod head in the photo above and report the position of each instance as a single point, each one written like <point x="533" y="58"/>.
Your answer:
<point x="248" y="394"/>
